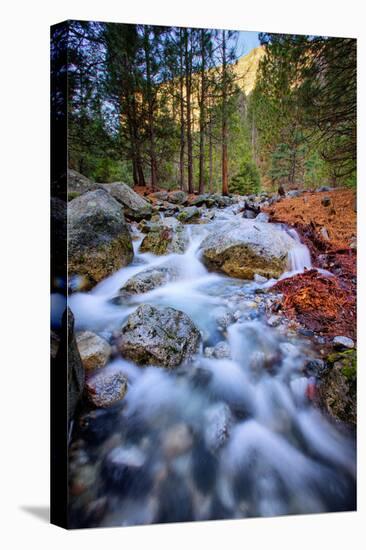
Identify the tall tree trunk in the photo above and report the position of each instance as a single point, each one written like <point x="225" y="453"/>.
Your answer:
<point x="188" y="64"/>
<point x="181" y="99"/>
<point x="225" y="187"/>
<point x="201" y="188"/>
<point x="210" y="159"/>
<point x="150" y="112"/>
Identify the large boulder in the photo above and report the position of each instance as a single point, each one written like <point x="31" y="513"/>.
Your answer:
<point x="164" y="240"/>
<point x="135" y="207"/>
<point x="94" y="350"/>
<point x="247" y="248"/>
<point x="189" y="214"/>
<point x="160" y="336"/>
<point x="178" y="197"/>
<point x="148" y="280"/>
<point x="77" y="184"/>
<point x="99" y="241"/>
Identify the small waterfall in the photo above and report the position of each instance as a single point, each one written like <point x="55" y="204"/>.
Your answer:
<point x="299" y="256"/>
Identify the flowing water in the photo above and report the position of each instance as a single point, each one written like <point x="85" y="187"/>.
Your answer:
<point x="230" y="434"/>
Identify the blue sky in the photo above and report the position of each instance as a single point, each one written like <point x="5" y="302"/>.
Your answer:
<point x="247" y="41"/>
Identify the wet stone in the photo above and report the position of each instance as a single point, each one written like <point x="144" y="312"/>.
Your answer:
<point x="124" y="470"/>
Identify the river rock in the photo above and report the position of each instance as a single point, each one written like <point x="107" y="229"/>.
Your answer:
<point x="189" y="214"/>
<point x="220" y="351"/>
<point x="178" y="197"/>
<point x="135" y="207"/>
<point x="148" y="280"/>
<point x="160" y="195"/>
<point x="326" y="201"/>
<point x="202" y="200"/>
<point x="99" y="241"/>
<point x="77" y="184"/>
<point x="164" y="240"/>
<point x="160" y="336"/>
<point x="124" y="469"/>
<point x="343" y="342"/>
<point x="94" y="350"/>
<point x="244" y="249"/>
<point x="106" y="387"/>
<point x="338" y="384"/>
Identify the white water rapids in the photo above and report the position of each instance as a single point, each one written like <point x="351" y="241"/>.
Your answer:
<point x="246" y="440"/>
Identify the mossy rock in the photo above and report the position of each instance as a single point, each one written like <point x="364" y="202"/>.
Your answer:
<point x="338" y="387"/>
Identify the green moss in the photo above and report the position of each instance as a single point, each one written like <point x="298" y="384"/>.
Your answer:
<point x="348" y="360"/>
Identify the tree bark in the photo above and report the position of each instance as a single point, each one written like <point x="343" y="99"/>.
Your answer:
<point x="201" y="188"/>
<point x="225" y="186"/>
<point x="150" y="112"/>
<point x="188" y="64"/>
<point x="181" y="99"/>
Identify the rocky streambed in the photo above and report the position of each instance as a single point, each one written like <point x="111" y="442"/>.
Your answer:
<point x="201" y="400"/>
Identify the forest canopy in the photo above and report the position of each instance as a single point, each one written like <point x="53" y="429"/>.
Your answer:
<point x="166" y="107"/>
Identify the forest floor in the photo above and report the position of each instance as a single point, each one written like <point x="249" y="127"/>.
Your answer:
<point x="326" y="222"/>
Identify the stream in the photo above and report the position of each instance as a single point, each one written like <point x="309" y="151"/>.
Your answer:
<point x="229" y="434"/>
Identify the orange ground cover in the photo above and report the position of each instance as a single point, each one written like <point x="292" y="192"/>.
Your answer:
<point x="309" y="215"/>
<point x="323" y="304"/>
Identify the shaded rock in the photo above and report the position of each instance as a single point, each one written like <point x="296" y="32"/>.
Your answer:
<point x="178" y="197"/>
<point x="77" y="184"/>
<point x="293" y="193"/>
<point x="164" y="240"/>
<point x="338" y="386"/>
<point x="249" y="214"/>
<point x="135" y="207"/>
<point x="326" y="201"/>
<point x="94" y="350"/>
<point x="245" y="249"/>
<point x="58" y="242"/>
<point x="161" y="195"/>
<point x="148" y="280"/>
<point x="187" y="215"/>
<point x="106" y="387"/>
<point x="202" y="200"/>
<point x="175" y="500"/>
<point x="99" y="241"/>
<point x="343" y="342"/>
<point x="97" y="425"/>
<point x="220" y="351"/>
<point x="125" y="470"/>
<point x="146" y="226"/>
<point x="69" y="355"/>
<point x="160" y="336"/>
<point x="274" y="320"/>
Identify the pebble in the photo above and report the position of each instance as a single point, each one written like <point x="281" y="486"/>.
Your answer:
<point x="343" y="342"/>
<point x="274" y="320"/>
